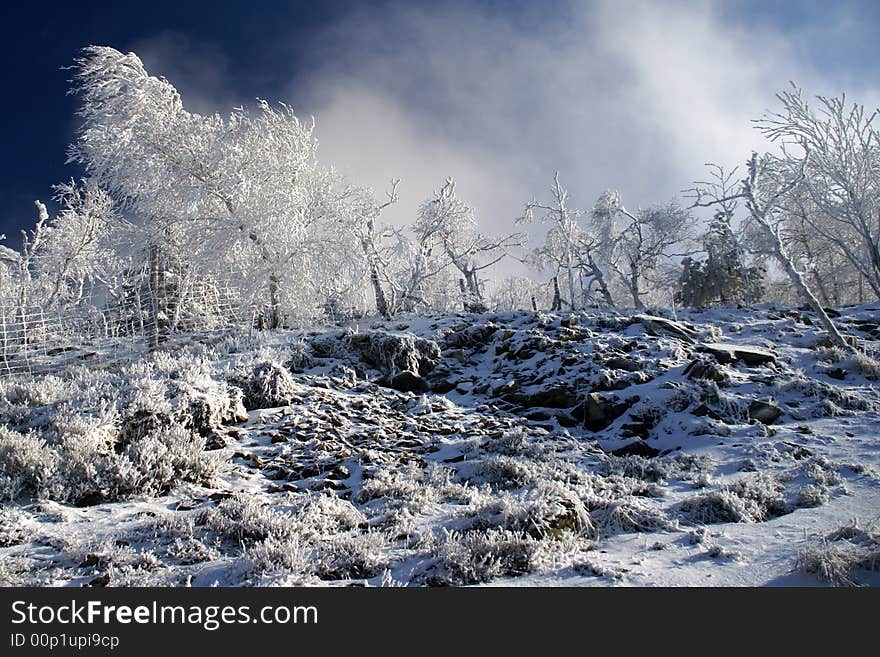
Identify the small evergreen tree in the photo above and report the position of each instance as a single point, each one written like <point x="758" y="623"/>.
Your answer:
<point x="724" y="277"/>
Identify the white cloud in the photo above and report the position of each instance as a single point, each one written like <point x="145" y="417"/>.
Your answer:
<point x="633" y="95"/>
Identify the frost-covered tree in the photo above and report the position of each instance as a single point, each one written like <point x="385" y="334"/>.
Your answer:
<point x="241" y="195"/>
<point x="724" y="276"/>
<point x="569" y="250"/>
<point x="731" y="272"/>
<point x="638" y="243"/>
<point x="447" y="223"/>
<point x="769" y="179"/>
<point x="838" y="196"/>
<point x="81" y="245"/>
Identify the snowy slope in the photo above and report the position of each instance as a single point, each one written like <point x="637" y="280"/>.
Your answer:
<point x="719" y="448"/>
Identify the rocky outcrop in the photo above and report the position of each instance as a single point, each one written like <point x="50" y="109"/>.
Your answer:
<point x="728" y="354"/>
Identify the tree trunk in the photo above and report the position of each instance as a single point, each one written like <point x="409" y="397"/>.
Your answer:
<point x="634" y="289"/>
<point x="759" y="214"/>
<point x="154" y="298"/>
<point x="557" y="300"/>
<point x="600" y="279"/>
<point x="379" y="293"/>
<point x="275" y="318"/>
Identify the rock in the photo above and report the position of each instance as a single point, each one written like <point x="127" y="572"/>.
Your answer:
<point x="505" y="388"/>
<point x="835" y="373"/>
<point x="661" y="326"/>
<point x="100" y="580"/>
<point x="764" y="412"/>
<point x="215" y="441"/>
<point x="89" y="499"/>
<point x="458" y="354"/>
<point x="636" y="448"/>
<point x="407" y="381"/>
<point x="730" y="353"/>
<point x="625" y="364"/>
<point x="706" y="368"/>
<point x="90" y="561"/>
<point x="391" y="353"/>
<point x="635" y="429"/>
<point x="469" y="336"/>
<point x="556" y="396"/>
<point x="442" y="386"/>
<point x="598" y="411"/>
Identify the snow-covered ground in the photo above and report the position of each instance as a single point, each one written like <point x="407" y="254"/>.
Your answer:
<point x="717" y="448"/>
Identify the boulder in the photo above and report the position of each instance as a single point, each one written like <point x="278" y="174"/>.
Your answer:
<point x="392" y="352"/>
<point x="705" y="367"/>
<point x="469" y="336"/>
<point x="662" y="326"/>
<point x="407" y="381"/>
<point x="597" y="411"/>
<point x="764" y="412"/>
<point x="556" y="396"/>
<point x="730" y="353"/>
<point x="636" y="448"/>
<point x="622" y="363"/>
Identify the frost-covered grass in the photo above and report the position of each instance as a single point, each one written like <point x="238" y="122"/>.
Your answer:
<point x="839" y="557"/>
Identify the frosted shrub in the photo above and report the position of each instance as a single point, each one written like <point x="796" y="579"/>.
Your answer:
<point x="393" y="488"/>
<point x="328" y="514"/>
<point x="752" y="499"/>
<point x="350" y="556"/>
<point x="272" y="555"/>
<point x="163" y="459"/>
<point x="833" y="564"/>
<point x="626" y="515"/>
<point x="244" y="518"/>
<point x="28" y="467"/>
<point x="267" y="385"/>
<point x="481" y="556"/>
<point x="547" y="510"/>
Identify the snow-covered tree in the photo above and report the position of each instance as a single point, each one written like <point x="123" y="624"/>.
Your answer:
<point x="569" y="250"/>
<point x="638" y="243"/>
<point x="447" y="223"/>
<point x="239" y="196"/>
<point x="769" y="179"/>
<point x="80" y="245"/>
<point x="838" y="196"/>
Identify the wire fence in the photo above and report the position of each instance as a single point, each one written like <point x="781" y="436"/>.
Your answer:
<point x="34" y="340"/>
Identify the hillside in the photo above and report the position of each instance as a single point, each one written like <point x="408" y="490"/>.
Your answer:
<point x="718" y="448"/>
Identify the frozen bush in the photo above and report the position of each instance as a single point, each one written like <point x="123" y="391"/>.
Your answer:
<point x="393" y="487"/>
<point x="833" y="564"/>
<point x="480" y="556"/>
<point x="326" y="513"/>
<point x="267" y="385"/>
<point x="350" y="556"/>
<point x="164" y="458"/>
<point x="548" y="510"/>
<point x="13" y="528"/>
<point x="273" y="554"/>
<point x="626" y="515"/>
<point x="811" y="496"/>
<point x="243" y="518"/>
<point x="28" y="467"/>
<point x="752" y="499"/>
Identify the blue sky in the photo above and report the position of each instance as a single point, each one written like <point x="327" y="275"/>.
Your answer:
<point x="632" y="95"/>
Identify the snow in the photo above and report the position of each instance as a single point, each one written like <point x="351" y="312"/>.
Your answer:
<point x="497" y="480"/>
